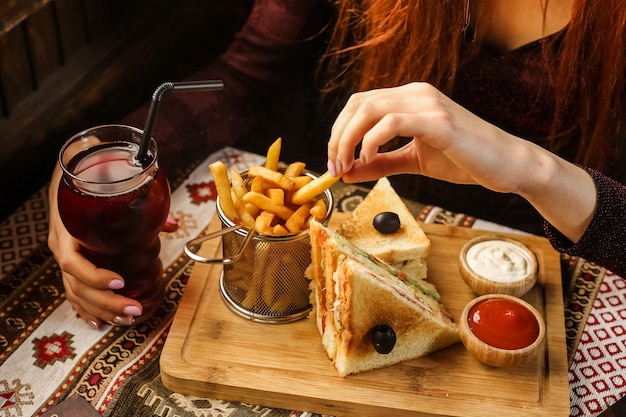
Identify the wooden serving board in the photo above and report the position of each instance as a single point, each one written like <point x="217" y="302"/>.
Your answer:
<point x="212" y="352"/>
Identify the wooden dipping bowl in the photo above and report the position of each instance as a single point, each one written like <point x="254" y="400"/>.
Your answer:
<point x="482" y="284"/>
<point x="506" y="321"/>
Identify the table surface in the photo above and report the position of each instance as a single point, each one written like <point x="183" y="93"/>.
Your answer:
<point x="48" y="355"/>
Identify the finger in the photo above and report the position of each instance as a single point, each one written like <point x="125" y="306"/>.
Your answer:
<point x="367" y="111"/>
<point x="96" y="306"/>
<point x="399" y="161"/>
<point x="93" y="321"/>
<point x="391" y="125"/>
<point x="96" y="322"/>
<point x="82" y="270"/>
<point x="66" y="252"/>
<point x="171" y="225"/>
<point x="388" y="127"/>
<point x="336" y="164"/>
<point x="89" y="289"/>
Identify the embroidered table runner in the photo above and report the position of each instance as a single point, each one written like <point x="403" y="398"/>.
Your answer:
<point x="48" y="355"/>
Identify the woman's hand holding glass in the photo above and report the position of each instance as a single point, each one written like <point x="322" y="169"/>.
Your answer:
<point x="89" y="289"/>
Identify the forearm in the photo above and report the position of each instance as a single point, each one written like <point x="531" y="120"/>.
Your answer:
<point x="603" y="242"/>
<point x="563" y="193"/>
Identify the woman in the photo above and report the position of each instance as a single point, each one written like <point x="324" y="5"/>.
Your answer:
<point x="548" y="71"/>
<point x="527" y="68"/>
<point x="584" y="211"/>
<point x="551" y="72"/>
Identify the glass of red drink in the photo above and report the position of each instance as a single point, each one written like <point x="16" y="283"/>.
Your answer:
<point x="116" y="206"/>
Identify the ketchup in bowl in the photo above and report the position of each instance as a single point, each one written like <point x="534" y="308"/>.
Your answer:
<point x="503" y="323"/>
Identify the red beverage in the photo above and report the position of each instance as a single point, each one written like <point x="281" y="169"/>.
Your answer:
<point x="116" y="207"/>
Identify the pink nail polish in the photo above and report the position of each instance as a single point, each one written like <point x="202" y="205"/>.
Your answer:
<point x="339" y="166"/>
<point x="171" y="221"/>
<point x="123" y="321"/>
<point x="132" y="311"/>
<point x="116" y="284"/>
<point x="362" y="158"/>
<point x="331" y="168"/>
<point x="170" y="225"/>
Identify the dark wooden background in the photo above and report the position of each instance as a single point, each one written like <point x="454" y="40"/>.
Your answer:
<point x="66" y="65"/>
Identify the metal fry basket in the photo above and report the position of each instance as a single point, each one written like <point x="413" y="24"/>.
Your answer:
<point x="263" y="278"/>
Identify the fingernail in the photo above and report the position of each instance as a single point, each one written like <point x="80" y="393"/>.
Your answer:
<point x="123" y="321"/>
<point x="331" y="168"/>
<point x="93" y="324"/>
<point x="171" y="224"/>
<point x="116" y="284"/>
<point x="362" y="158"/>
<point x="339" y="166"/>
<point x="132" y="310"/>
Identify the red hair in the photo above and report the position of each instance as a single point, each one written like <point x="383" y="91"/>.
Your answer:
<point x="382" y="43"/>
<point x="593" y="58"/>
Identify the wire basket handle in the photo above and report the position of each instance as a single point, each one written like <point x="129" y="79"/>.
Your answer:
<point x="193" y="245"/>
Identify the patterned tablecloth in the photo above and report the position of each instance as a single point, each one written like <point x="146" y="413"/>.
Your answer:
<point x="48" y="355"/>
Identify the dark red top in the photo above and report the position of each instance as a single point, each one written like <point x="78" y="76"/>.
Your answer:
<point x="604" y="241"/>
<point x="270" y="91"/>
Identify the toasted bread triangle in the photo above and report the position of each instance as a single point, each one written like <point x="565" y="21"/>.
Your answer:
<point x="352" y="293"/>
<point x="406" y="249"/>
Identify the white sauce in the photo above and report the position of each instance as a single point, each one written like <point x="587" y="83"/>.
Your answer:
<point x="499" y="260"/>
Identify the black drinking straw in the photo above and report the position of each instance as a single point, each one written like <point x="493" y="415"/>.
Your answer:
<point x="156" y="102"/>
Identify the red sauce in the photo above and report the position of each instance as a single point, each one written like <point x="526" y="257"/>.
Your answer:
<point x="503" y="323"/>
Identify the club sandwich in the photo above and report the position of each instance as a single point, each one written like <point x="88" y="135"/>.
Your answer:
<point x="370" y="315"/>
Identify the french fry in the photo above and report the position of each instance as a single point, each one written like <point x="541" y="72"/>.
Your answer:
<point x="300" y="181"/>
<point x="277" y="195"/>
<point x="261" y="257"/>
<point x="294" y="169"/>
<point x="299" y="289"/>
<point x="273" y="155"/>
<point x="296" y="221"/>
<point x="278" y="230"/>
<point x="222" y="185"/>
<point x="272" y="201"/>
<point x="251" y="208"/>
<point x="319" y="209"/>
<point x="245" y="217"/>
<point x="238" y="185"/>
<point x="271" y="176"/>
<point x="265" y="203"/>
<point x="309" y="220"/>
<point x="263" y="222"/>
<point x="270" y="284"/>
<point x="281" y="305"/>
<point x="313" y="188"/>
<point x="257" y="185"/>
<point x="251" y="295"/>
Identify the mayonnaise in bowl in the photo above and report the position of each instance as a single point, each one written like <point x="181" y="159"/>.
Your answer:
<point x="496" y="264"/>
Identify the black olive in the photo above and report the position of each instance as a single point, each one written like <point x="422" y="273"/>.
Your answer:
<point x="383" y="338"/>
<point x="386" y="222"/>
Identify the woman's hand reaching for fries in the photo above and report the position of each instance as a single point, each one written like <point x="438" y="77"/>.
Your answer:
<point x="451" y="144"/>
